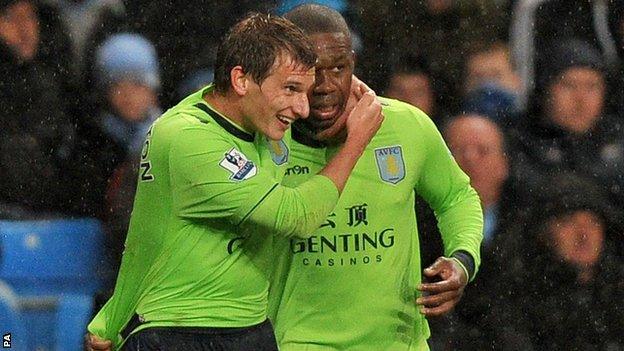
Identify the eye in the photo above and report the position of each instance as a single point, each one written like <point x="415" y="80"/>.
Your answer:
<point x="337" y="69"/>
<point x="291" y="88"/>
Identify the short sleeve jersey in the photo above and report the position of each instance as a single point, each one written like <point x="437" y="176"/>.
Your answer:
<point x="185" y="262"/>
<point x="352" y="285"/>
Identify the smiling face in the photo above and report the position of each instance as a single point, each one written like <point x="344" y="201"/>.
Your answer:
<point x="271" y="106"/>
<point x="332" y="87"/>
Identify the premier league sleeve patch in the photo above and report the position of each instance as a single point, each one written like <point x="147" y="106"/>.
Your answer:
<point x="240" y="167"/>
<point x="278" y="150"/>
<point x="390" y="164"/>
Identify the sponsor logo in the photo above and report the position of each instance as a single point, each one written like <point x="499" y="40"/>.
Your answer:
<point x="357" y="215"/>
<point x="390" y="164"/>
<point x="347" y="242"/>
<point x="146" y="164"/>
<point x="240" y="167"/>
<point x="356" y="244"/>
<point x="341" y="261"/>
<point x="329" y="250"/>
<point x="297" y="170"/>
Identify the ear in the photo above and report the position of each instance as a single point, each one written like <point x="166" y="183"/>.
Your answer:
<point x="239" y="80"/>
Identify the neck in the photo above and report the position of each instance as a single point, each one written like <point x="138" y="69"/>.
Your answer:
<point x="305" y="136"/>
<point x="489" y="198"/>
<point x="228" y="105"/>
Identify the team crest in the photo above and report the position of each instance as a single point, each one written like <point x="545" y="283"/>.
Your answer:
<point x="390" y="164"/>
<point x="240" y="167"/>
<point x="278" y="150"/>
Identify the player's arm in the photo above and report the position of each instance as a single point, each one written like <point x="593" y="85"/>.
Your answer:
<point x="204" y="188"/>
<point x="205" y="185"/>
<point x="460" y="219"/>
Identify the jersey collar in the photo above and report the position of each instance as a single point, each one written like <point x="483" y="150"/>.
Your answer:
<point x="225" y="124"/>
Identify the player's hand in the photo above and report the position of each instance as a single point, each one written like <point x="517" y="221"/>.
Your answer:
<point x="365" y="119"/>
<point x="441" y="296"/>
<point x="358" y="89"/>
<point x="94" y="343"/>
<point x="338" y="130"/>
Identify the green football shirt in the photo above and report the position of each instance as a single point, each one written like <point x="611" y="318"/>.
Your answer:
<point x="352" y="285"/>
<point x="194" y="255"/>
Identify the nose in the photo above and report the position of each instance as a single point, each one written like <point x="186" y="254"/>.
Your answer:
<point x="322" y="83"/>
<point x="301" y="107"/>
<point x="470" y="155"/>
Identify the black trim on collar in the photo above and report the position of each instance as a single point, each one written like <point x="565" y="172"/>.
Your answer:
<point x="225" y="124"/>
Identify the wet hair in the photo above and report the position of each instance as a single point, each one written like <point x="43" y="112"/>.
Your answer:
<point x="255" y="43"/>
<point x="315" y="19"/>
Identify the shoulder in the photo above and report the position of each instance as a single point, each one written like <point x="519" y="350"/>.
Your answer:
<point x="405" y="118"/>
<point x="187" y="115"/>
<point x="186" y="121"/>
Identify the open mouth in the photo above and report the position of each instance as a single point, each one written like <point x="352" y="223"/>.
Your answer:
<point x="325" y="112"/>
<point x="286" y="121"/>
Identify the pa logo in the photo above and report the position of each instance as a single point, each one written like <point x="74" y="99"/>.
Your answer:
<point x="6" y="341"/>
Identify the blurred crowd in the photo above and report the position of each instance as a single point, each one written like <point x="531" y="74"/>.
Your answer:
<point x="529" y="95"/>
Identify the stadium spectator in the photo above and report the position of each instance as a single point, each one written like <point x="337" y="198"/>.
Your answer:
<point x="441" y="30"/>
<point x="478" y="144"/>
<point x="129" y="76"/>
<point x="566" y="128"/>
<point x="84" y="19"/>
<point x="536" y="25"/>
<point x="491" y="85"/>
<point x="41" y="158"/>
<point x="564" y="283"/>
<point x="128" y="79"/>
<point x="411" y="81"/>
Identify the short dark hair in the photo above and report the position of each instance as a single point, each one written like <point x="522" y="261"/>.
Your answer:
<point x="255" y="43"/>
<point x="314" y="19"/>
